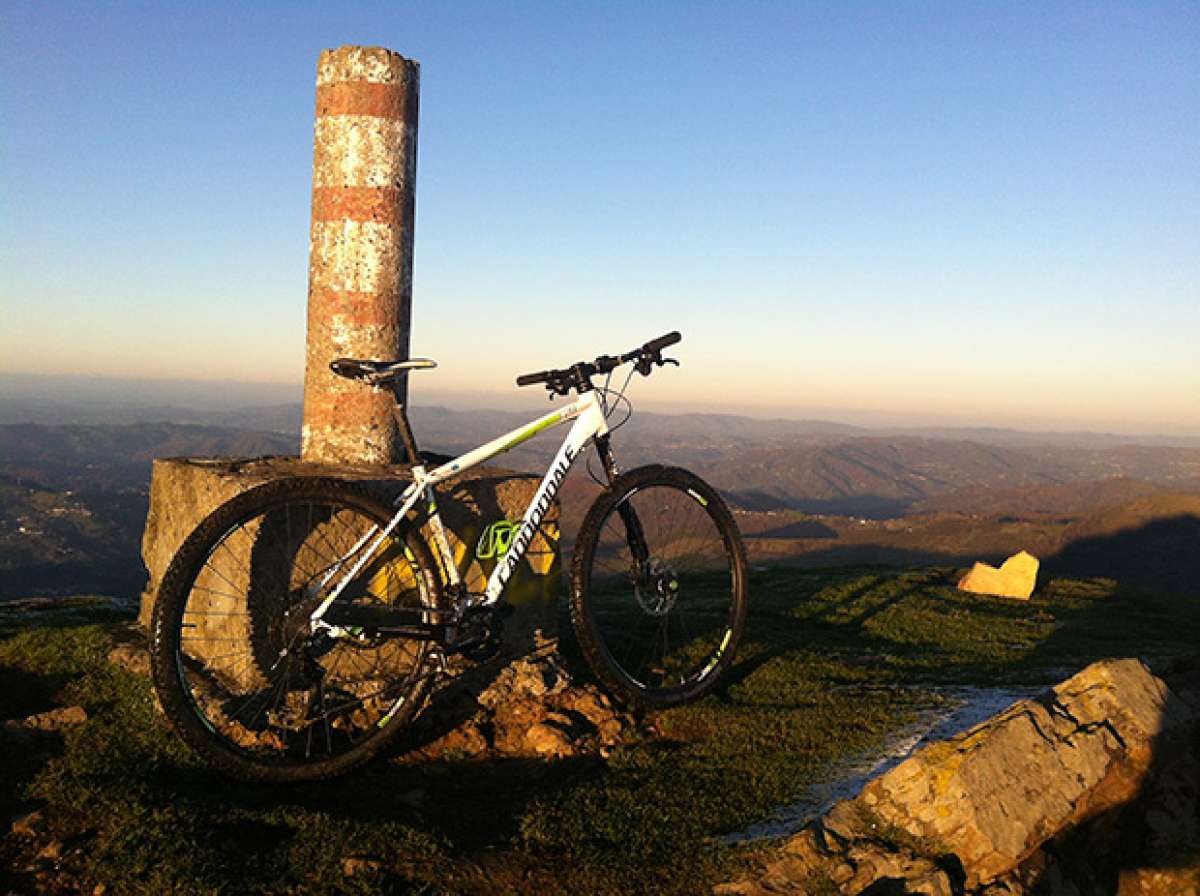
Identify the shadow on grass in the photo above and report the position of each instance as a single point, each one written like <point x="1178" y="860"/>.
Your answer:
<point x="24" y="693"/>
<point x="1163" y="554"/>
<point x="474" y="805"/>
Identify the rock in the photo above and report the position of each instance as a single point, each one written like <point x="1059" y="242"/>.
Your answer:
<point x="41" y="732"/>
<point x="360" y="865"/>
<point x="536" y="676"/>
<point x="465" y="740"/>
<point x="51" y="852"/>
<point x="54" y="719"/>
<point x="745" y="888"/>
<point x="1017" y="577"/>
<point x="1159" y="882"/>
<point x="31" y="825"/>
<point x="131" y="657"/>
<point x="548" y="740"/>
<point x="1065" y="766"/>
<point x="531" y="708"/>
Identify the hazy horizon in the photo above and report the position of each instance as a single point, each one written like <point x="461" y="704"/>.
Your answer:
<point x="231" y="395"/>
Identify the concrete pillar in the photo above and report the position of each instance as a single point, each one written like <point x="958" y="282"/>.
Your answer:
<point x="360" y="256"/>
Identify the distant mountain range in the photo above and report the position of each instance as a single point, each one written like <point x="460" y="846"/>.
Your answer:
<point x="73" y="495"/>
<point x="801" y="465"/>
<point x="116" y="457"/>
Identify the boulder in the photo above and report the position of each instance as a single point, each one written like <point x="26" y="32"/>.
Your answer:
<point x="973" y="813"/>
<point x="1016" y="577"/>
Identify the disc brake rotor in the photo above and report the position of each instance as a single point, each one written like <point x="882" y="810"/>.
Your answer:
<point x="658" y="588"/>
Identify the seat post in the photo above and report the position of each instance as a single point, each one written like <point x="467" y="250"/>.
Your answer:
<point x="401" y="414"/>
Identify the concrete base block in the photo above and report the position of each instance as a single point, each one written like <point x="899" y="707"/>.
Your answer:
<point x="183" y="491"/>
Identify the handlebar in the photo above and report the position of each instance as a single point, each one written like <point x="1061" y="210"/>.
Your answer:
<point x="579" y="375"/>
<point x="532" y="379"/>
<point x="657" y="345"/>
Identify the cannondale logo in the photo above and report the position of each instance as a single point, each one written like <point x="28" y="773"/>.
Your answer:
<point x="496" y="539"/>
<point x="541" y="506"/>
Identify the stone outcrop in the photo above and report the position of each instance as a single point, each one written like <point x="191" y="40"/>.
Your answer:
<point x="1016" y="577"/>
<point x="1052" y="789"/>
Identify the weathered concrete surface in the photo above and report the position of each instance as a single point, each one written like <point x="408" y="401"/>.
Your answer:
<point x="183" y="491"/>
<point x="1016" y="577"/>
<point x="360" y="255"/>
<point x="1033" y="800"/>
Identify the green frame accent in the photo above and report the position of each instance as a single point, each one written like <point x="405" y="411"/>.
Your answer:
<point x="530" y="431"/>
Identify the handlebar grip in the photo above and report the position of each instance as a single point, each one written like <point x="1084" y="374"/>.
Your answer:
<point x="657" y="345"/>
<point x="529" y="379"/>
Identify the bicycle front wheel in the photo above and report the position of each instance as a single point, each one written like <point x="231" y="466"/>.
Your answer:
<point x="658" y="586"/>
<point x="245" y="678"/>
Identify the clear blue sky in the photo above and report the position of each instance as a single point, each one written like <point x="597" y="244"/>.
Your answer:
<point x="984" y="212"/>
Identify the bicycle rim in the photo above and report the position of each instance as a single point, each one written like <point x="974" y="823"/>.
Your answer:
<point x="663" y="615"/>
<point x="252" y="673"/>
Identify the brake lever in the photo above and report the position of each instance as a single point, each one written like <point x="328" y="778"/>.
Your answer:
<point x="663" y="361"/>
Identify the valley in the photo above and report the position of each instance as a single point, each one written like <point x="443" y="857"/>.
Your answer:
<point x="73" y="496"/>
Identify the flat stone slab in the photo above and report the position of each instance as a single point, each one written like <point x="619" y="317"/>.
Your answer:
<point x="183" y="491"/>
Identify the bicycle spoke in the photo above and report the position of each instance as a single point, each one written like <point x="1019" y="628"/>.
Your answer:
<point x="661" y="623"/>
<point x="259" y="677"/>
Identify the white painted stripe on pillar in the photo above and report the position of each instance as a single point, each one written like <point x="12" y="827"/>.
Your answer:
<point x="356" y="256"/>
<point x="359" y="151"/>
<point x="347" y="337"/>
<point x="372" y="64"/>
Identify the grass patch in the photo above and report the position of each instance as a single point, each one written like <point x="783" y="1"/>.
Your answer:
<point x="832" y="662"/>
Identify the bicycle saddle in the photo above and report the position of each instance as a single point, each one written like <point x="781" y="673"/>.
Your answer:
<point x="378" y="373"/>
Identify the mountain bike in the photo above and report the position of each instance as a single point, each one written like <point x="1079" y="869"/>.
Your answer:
<point x="303" y="623"/>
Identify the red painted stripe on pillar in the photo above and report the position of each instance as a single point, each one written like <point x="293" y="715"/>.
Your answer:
<point x="378" y="204"/>
<point x="363" y="404"/>
<point x="394" y="101"/>
<point x="371" y="309"/>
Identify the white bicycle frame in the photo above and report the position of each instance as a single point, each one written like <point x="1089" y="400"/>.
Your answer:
<point x="590" y="422"/>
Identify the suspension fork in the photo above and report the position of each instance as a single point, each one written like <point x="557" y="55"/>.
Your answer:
<point x="635" y="536"/>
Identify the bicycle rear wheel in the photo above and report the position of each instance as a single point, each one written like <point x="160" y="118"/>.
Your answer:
<point x="239" y="671"/>
<point x="658" y="586"/>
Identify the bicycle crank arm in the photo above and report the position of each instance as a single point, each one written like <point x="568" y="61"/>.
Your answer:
<point x="383" y="618"/>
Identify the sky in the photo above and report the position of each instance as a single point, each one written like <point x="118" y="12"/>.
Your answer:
<point x="971" y="213"/>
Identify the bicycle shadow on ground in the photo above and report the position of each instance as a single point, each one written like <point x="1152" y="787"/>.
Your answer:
<point x="471" y="804"/>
